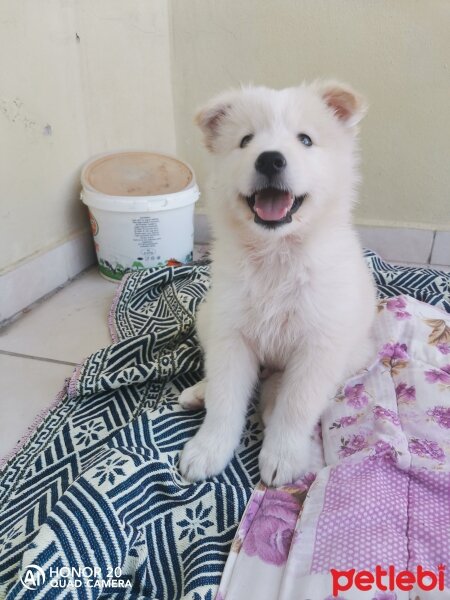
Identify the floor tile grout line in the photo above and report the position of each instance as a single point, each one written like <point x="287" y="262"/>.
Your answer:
<point x="41" y="358"/>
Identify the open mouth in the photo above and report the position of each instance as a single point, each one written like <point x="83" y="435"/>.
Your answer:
<point x="273" y="207"/>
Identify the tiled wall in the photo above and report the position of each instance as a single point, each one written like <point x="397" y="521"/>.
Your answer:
<point x="401" y="245"/>
<point x="416" y="246"/>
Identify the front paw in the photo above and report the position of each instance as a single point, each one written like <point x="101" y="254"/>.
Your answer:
<point x="203" y="456"/>
<point x="283" y="459"/>
<point x="193" y="398"/>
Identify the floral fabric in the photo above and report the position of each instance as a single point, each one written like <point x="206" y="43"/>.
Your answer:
<point x="379" y="488"/>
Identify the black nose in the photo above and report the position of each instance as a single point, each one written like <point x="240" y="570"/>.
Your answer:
<point x="270" y="163"/>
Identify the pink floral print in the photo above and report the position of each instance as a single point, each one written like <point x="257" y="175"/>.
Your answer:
<point x="354" y="443"/>
<point x="441" y="415"/>
<point x="270" y="534"/>
<point x="443" y="348"/>
<point x="426" y="449"/>
<point x="344" y="422"/>
<point x="394" y="351"/>
<point x="385" y="413"/>
<point x="394" y="356"/>
<point x="383" y="449"/>
<point x="356" y="395"/>
<point x="441" y="375"/>
<point x="404" y="393"/>
<point x="397" y="306"/>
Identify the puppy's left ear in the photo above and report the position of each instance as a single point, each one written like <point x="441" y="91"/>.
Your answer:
<point x="348" y="106"/>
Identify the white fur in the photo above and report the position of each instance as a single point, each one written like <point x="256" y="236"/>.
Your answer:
<point x="297" y="299"/>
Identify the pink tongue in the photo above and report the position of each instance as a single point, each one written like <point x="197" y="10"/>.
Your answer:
<point x="272" y="206"/>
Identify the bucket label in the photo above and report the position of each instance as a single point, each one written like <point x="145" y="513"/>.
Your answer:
<point x="147" y="237"/>
<point x="128" y="242"/>
<point x="93" y="223"/>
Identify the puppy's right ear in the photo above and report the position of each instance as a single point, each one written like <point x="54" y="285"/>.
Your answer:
<point x="211" y="117"/>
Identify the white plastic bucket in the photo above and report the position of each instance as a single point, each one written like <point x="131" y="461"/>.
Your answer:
<point x="141" y="207"/>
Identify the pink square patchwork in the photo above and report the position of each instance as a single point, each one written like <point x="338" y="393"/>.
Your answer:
<point x="364" y="518"/>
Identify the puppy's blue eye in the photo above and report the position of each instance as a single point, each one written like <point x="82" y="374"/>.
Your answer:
<point x="246" y="140"/>
<point x="305" y="139"/>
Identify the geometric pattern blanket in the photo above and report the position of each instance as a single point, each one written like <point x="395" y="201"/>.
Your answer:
<point x="92" y="504"/>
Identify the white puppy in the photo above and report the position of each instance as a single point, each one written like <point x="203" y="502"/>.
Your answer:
<point x="290" y="289"/>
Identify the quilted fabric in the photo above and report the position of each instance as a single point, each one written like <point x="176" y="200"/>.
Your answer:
<point x="377" y="494"/>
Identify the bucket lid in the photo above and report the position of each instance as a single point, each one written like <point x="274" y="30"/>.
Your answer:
<point x="135" y="180"/>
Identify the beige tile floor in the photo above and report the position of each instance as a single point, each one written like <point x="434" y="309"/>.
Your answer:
<point x="41" y="348"/>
